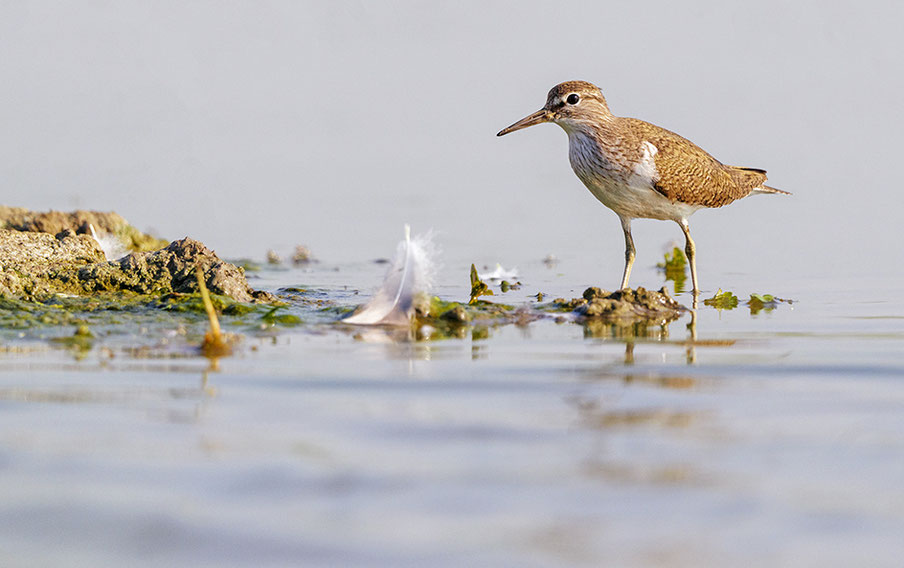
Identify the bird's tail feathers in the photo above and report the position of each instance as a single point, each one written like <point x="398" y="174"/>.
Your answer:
<point x="753" y="178"/>
<point x="767" y="189"/>
<point x="747" y="178"/>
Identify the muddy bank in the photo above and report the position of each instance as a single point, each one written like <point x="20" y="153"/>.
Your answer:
<point x="79" y="223"/>
<point x="42" y="254"/>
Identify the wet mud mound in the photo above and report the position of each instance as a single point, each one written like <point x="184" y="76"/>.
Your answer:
<point x="42" y="254"/>
<point x="171" y="269"/>
<point x="629" y="304"/>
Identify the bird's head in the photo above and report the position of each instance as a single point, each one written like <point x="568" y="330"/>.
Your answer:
<point x="570" y="105"/>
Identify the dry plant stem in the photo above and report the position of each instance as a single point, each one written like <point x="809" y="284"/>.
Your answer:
<point x="208" y="306"/>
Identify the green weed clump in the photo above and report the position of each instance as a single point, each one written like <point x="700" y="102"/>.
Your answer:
<point x="722" y="301"/>
<point x="757" y="302"/>
<point x="478" y="287"/>
<point x="674" y="266"/>
<point x="764" y="303"/>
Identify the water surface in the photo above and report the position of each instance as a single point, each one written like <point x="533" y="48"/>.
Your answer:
<point x="773" y="439"/>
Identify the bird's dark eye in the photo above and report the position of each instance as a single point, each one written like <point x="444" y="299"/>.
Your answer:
<point x="573" y="99"/>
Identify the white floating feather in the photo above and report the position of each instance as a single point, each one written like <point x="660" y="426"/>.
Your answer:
<point x="407" y="281"/>
<point x="110" y="244"/>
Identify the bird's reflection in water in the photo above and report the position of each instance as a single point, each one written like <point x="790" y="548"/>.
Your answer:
<point x="646" y="331"/>
<point x="612" y="460"/>
<point x="597" y="414"/>
<point x="691" y="349"/>
<point x="599" y="328"/>
<point x="615" y="406"/>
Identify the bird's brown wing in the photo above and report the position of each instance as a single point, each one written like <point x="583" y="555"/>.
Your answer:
<point x="688" y="174"/>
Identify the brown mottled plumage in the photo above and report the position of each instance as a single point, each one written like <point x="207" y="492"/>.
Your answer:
<point x="686" y="172"/>
<point x="638" y="169"/>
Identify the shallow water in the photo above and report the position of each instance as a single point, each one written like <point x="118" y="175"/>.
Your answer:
<point x="772" y="439"/>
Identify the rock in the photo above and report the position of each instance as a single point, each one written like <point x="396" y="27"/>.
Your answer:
<point x="39" y="264"/>
<point x="456" y="315"/>
<point x="594" y="292"/>
<point x="302" y="255"/>
<point x="167" y="270"/>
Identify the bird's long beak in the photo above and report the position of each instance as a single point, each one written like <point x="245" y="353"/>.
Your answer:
<point x="538" y="117"/>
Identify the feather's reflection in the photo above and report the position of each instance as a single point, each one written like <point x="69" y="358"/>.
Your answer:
<point x="422" y="341"/>
<point x="400" y="342"/>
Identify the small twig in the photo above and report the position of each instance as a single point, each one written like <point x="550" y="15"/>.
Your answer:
<point x="208" y="306"/>
<point x="215" y="343"/>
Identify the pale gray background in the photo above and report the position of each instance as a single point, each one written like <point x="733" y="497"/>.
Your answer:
<point x="255" y="125"/>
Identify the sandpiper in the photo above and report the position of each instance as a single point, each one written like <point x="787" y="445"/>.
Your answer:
<point x="640" y="170"/>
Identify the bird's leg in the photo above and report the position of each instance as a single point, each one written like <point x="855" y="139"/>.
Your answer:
<point x="690" y="249"/>
<point x="629" y="250"/>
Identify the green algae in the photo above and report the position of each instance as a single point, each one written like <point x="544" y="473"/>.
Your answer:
<point x="139" y="326"/>
<point x="183" y="303"/>
<point x="722" y="300"/>
<point x="764" y="303"/>
<point x="80" y="342"/>
<point x="239" y="309"/>
<point x="757" y="302"/>
<point x="111" y="311"/>
<point x="247" y="264"/>
<point x="674" y="266"/>
<point x="674" y="260"/>
<point x="56" y="311"/>
<point x="272" y="317"/>
<point x="506" y="286"/>
<point x="438" y="309"/>
<point x="136" y="241"/>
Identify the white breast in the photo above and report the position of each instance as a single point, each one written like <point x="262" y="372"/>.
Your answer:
<point x="627" y="191"/>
